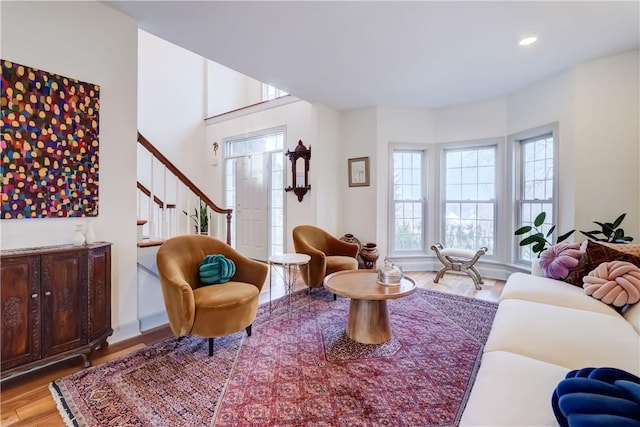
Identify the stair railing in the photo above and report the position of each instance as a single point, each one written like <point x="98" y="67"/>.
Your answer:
<point x="167" y="224"/>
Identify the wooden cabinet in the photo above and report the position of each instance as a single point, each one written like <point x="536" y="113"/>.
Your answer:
<point x="55" y="304"/>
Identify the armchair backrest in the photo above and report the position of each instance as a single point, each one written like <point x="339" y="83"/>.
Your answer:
<point x="308" y="235"/>
<point x="180" y="257"/>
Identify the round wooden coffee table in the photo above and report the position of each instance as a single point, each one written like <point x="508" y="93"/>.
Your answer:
<point x="368" y="321"/>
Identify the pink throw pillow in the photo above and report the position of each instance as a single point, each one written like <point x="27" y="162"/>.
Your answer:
<point x="558" y="260"/>
<point x="615" y="282"/>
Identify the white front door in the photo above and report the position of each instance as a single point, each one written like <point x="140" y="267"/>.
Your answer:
<point x="252" y="208"/>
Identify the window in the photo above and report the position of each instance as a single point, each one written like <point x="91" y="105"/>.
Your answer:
<point x="470" y="198"/>
<point x="269" y="92"/>
<point x="536" y="185"/>
<point x="408" y="201"/>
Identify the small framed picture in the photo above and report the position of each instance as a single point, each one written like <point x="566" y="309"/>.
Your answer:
<point x="359" y="172"/>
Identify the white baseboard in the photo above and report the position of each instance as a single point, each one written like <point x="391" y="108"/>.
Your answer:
<point x="153" y="320"/>
<point x="124" y="331"/>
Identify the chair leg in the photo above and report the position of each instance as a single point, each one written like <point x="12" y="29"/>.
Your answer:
<point x="248" y="329"/>
<point x="210" y="347"/>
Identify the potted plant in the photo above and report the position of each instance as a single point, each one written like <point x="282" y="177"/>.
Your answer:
<point x="538" y="239"/>
<point x="610" y="232"/>
<point x="200" y="218"/>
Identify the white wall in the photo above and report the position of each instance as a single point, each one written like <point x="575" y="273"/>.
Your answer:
<point x="93" y="43"/>
<point x="608" y="142"/>
<point x="359" y="139"/>
<point x="546" y="102"/>
<point x="172" y="103"/>
<point x="473" y="121"/>
<point x="328" y="167"/>
<point x="229" y="90"/>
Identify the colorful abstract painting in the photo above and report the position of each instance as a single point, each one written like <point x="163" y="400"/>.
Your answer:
<point x="50" y="126"/>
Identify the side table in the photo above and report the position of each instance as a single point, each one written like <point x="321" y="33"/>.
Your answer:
<point x="288" y="266"/>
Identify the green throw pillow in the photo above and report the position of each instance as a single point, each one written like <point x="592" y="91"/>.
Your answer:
<point x="216" y="269"/>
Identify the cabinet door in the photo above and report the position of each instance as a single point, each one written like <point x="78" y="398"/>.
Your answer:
<point x="99" y="292"/>
<point x="64" y="301"/>
<point x="20" y="299"/>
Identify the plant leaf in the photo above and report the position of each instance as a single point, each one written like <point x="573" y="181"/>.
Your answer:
<point x="522" y="230"/>
<point x="540" y="219"/>
<point x="565" y="236"/>
<point x="538" y="247"/>
<point x="533" y="239"/>
<point x="550" y="232"/>
<point x="618" y="220"/>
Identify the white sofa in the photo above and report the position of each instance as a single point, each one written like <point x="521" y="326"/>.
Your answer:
<point x="543" y="329"/>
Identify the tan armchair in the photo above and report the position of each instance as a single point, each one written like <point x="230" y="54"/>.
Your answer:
<point x="213" y="310"/>
<point x="328" y="253"/>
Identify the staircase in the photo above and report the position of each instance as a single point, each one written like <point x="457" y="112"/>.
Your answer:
<point x="169" y="203"/>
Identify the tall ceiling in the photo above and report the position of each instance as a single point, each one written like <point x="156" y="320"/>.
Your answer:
<point x="421" y="54"/>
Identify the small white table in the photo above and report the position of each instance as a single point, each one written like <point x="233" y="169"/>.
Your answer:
<point x="290" y="270"/>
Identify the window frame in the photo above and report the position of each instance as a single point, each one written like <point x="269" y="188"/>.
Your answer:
<point x="425" y="150"/>
<point x="499" y="197"/>
<point x="516" y="145"/>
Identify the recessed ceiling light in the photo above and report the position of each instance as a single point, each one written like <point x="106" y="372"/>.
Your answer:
<point x="528" y="40"/>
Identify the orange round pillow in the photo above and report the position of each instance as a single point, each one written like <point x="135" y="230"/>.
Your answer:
<point x="615" y="282"/>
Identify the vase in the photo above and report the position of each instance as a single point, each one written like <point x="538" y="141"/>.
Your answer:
<point x="369" y="255"/>
<point x="78" y="237"/>
<point x="350" y="238"/>
<point x="89" y="235"/>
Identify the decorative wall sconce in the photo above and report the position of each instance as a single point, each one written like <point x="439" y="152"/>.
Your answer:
<point x="299" y="170"/>
<point x="216" y="146"/>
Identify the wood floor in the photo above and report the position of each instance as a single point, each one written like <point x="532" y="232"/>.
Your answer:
<point x="26" y="400"/>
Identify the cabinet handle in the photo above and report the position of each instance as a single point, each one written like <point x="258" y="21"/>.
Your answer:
<point x="34" y="296"/>
<point x="47" y="293"/>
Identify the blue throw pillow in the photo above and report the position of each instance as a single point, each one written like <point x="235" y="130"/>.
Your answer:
<point x="597" y="397"/>
<point x="216" y="269"/>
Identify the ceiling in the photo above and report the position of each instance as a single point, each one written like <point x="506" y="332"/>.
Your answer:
<point x="421" y="54"/>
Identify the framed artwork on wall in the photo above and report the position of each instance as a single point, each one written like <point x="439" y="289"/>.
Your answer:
<point x="50" y="149"/>
<point x="359" y="172"/>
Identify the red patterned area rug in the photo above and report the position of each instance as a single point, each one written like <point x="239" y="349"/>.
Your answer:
<point x="298" y="368"/>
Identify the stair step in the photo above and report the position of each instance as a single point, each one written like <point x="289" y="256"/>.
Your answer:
<point x="149" y="243"/>
<point x="142" y="221"/>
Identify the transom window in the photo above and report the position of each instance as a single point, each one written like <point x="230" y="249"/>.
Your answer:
<point x="270" y="92"/>
<point x="470" y="198"/>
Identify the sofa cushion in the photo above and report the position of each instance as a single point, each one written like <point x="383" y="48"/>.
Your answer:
<point x="597" y="396"/>
<point x="632" y="315"/>
<point x="558" y="260"/>
<point x="628" y="248"/>
<point x="564" y="336"/>
<point x="616" y="283"/>
<point x="595" y="254"/>
<point x="512" y="390"/>
<point x="548" y="291"/>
